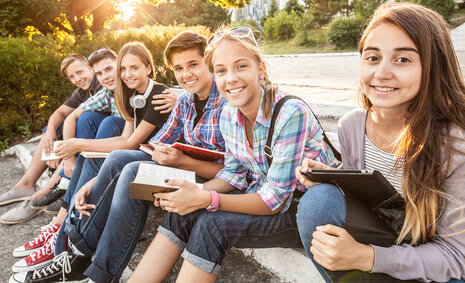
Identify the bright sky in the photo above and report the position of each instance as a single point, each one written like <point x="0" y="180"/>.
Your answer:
<point x="126" y="8"/>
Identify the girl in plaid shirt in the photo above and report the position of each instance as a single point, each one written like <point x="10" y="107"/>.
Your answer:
<point x="251" y="201"/>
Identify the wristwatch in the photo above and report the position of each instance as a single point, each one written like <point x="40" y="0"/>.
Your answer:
<point x="215" y="205"/>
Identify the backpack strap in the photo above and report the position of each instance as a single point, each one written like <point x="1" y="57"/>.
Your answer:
<point x="277" y="108"/>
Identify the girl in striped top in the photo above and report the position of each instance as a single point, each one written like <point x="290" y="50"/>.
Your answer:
<point x="412" y="128"/>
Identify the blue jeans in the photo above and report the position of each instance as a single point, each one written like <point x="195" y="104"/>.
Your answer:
<point x="325" y="204"/>
<point x="91" y="125"/>
<point x="95" y="125"/>
<point x="205" y="236"/>
<point x="85" y="234"/>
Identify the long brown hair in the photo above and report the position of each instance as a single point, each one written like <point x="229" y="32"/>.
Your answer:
<point x="122" y="92"/>
<point x="440" y="102"/>
<point x="251" y="45"/>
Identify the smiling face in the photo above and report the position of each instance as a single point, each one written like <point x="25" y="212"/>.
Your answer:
<point x="106" y="73"/>
<point x="80" y="74"/>
<point x="237" y="74"/>
<point x="390" y="67"/>
<point x="134" y="73"/>
<point x="192" y="73"/>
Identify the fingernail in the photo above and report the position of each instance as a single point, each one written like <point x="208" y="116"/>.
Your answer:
<point x="319" y="228"/>
<point x="302" y="180"/>
<point x="167" y="180"/>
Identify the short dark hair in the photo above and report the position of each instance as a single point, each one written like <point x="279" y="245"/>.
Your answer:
<point x="184" y="41"/>
<point x="100" y="54"/>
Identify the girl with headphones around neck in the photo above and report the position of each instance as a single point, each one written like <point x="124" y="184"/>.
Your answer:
<point x="134" y="86"/>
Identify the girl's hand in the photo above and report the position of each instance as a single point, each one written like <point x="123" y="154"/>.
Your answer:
<point x="82" y="196"/>
<point x="308" y="164"/>
<point x="165" y="100"/>
<point x="69" y="165"/>
<point x="334" y="249"/>
<point x="168" y="156"/>
<point x="67" y="148"/>
<point x="187" y="199"/>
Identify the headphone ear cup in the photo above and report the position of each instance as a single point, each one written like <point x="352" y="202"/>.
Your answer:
<point x="131" y="101"/>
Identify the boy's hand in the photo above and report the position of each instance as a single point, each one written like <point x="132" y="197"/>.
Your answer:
<point x="168" y="156"/>
<point x="82" y="196"/>
<point x="165" y="101"/>
<point x="67" y="148"/>
<point x="49" y="139"/>
<point x="69" y="165"/>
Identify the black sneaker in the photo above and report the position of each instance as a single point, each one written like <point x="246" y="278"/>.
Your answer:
<point x="65" y="264"/>
<point x="54" y="208"/>
<point x="49" y="198"/>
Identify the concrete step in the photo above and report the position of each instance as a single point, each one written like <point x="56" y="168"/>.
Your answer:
<point x="290" y="265"/>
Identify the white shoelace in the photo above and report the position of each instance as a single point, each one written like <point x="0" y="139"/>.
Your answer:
<point x="46" y="249"/>
<point x="60" y="260"/>
<point x="45" y="231"/>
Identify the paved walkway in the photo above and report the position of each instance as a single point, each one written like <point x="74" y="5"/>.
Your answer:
<point x="332" y="77"/>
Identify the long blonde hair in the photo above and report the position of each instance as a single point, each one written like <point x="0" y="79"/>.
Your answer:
<point x="122" y="92"/>
<point x="250" y="44"/>
<point x="440" y="102"/>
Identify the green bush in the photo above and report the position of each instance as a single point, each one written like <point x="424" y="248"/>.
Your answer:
<point x="282" y="26"/>
<point x="443" y="7"/>
<point x="345" y="32"/>
<point x="32" y="86"/>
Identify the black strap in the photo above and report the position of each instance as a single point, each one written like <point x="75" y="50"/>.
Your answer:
<point x="277" y="108"/>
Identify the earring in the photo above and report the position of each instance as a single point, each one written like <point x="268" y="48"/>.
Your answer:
<point x="260" y="78"/>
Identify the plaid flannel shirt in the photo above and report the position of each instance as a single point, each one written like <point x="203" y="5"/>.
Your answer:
<point x="103" y="101"/>
<point x="297" y="134"/>
<point x="180" y="124"/>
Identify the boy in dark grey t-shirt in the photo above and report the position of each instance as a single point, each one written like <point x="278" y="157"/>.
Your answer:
<point x="77" y="70"/>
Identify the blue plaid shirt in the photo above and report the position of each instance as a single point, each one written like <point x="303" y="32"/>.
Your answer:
<point x="180" y="124"/>
<point x="103" y="101"/>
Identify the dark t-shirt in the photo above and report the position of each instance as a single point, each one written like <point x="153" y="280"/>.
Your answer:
<point x="199" y="106"/>
<point x="149" y="114"/>
<point x="79" y="95"/>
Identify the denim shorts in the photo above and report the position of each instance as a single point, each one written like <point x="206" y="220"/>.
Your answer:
<point x="205" y="236"/>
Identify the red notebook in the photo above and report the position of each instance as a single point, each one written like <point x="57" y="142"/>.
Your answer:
<point x="189" y="150"/>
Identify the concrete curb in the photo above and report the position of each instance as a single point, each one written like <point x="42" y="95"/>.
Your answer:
<point x="290" y="265"/>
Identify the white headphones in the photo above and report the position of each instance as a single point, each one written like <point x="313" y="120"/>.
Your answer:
<point x="138" y="101"/>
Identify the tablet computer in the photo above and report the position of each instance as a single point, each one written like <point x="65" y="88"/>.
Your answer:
<point x="369" y="186"/>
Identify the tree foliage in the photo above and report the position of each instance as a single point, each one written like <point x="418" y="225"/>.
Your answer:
<point x="272" y="11"/>
<point x="293" y="5"/>
<point x="366" y="8"/>
<point x="226" y="4"/>
<point x="443" y="7"/>
<point x="76" y="17"/>
<point x="323" y="10"/>
<point x="189" y="12"/>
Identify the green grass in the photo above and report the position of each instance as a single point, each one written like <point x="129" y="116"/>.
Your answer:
<point x="316" y="42"/>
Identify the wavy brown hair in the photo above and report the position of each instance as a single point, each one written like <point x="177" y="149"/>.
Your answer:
<point x="122" y="92"/>
<point x="425" y="134"/>
<point x="250" y="44"/>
